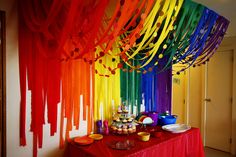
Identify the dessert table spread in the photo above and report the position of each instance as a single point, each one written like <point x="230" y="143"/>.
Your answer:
<point x="186" y="144"/>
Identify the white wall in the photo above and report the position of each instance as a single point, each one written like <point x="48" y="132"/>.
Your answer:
<point x="50" y="144"/>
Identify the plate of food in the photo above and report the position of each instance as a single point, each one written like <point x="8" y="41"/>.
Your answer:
<point x="176" y="128"/>
<point x="84" y="140"/>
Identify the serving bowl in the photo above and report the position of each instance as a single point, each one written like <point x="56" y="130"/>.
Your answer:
<point x="165" y="120"/>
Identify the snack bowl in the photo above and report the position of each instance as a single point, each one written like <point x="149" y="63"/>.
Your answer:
<point x="143" y="136"/>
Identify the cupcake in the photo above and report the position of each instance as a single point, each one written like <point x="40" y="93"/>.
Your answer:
<point x="125" y="126"/>
<point x="134" y="128"/>
<point x="115" y="118"/>
<point x="118" y="120"/>
<point x="119" y="131"/>
<point x="124" y="121"/>
<point x="114" y="129"/>
<point x="125" y="111"/>
<point x="130" y="130"/>
<point x="125" y="131"/>
<point x="119" y="125"/>
<point x="122" y="118"/>
<point x="130" y="120"/>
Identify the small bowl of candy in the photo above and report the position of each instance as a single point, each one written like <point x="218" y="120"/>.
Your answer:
<point x="143" y="136"/>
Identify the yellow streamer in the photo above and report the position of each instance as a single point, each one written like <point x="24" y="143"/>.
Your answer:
<point x="107" y="89"/>
<point x="170" y="10"/>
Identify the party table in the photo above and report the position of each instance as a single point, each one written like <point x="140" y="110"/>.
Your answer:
<point x="187" y="144"/>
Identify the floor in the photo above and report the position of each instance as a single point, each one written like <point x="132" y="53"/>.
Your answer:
<point x="216" y="153"/>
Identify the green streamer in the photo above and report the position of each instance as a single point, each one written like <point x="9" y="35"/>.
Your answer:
<point x="130" y="84"/>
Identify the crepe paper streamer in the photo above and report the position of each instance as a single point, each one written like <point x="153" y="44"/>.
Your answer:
<point x="149" y="90"/>
<point x="130" y="87"/>
<point x="122" y="20"/>
<point x="181" y="54"/>
<point x="198" y="39"/>
<point x="34" y="66"/>
<point x="128" y="8"/>
<point x="180" y="38"/>
<point x="23" y="70"/>
<point x="160" y="18"/>
<point x="201" y="33"/>
<point x="164" y="91"/>
<point x="63" y="44"/>
<point x="217" y="34"/>
<point x="136" y="25"/>
<point x="213" y="34"/>
<point x="86" y="18"/>
<point x="156" y="89"/>
<point x="107" y="89"/>
<point x="169" y="7"/>
<point x="71" y="91"/>
<point x="148" y="86"/>
<point x="186" y="22"/>
<point x="41" y="51"/>
<point x="48" y="40"/>
<point x="146" y="28"/>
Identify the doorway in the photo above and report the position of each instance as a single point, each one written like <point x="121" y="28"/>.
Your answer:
<point x="2" y="84"/>
<point x="218" y="101"/>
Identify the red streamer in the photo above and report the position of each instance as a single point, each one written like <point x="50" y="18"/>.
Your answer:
<point x="56" y="54"/>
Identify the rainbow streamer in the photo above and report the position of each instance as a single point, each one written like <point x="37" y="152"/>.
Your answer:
<point x="73" y="49"/>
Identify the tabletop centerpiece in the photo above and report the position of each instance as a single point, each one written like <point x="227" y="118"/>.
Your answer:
<point x="123" y="121"/>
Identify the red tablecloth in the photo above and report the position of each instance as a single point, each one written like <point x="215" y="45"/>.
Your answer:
<point x="187" y="144"/>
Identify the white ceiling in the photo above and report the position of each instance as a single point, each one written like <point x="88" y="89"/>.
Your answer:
<point x="226" y="8"/>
